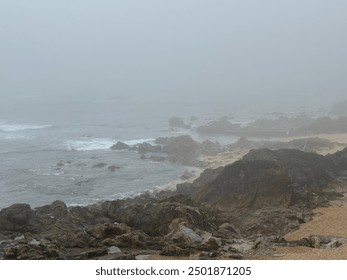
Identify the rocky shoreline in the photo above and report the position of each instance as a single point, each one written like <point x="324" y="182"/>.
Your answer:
<point x="240" y="211"/>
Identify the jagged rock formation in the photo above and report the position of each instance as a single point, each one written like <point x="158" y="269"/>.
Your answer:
<point x="182" y="149"/>
<point x="120" y="146"/>
<point x="270" y="178"/>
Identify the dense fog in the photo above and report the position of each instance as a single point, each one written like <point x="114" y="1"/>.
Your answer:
<point x="221" y="53"/>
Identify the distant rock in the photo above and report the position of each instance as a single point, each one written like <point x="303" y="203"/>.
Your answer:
<point x="162" y="140"/>
<point x="339" y="109"/>
<point x="209" y="148"/>
<point x="325" y="125"/>
<point x="244" y="143"/>
<point x="223" y="126"/>
<point x="157" y="158"/>
<point x="120" y="146"/>
<point x="61" y="163"/>
<point x="182" y="149"/>
<point x="144" y="148"/>
<point x="99" y="165"/>
<point x="177" y="122"/>
<point x="113" y="168"/>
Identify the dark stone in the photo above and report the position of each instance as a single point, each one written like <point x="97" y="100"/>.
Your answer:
<point x="120" y="146"/>
<point x="57" y="209"/>
<point x="211" y="149"/>
<point x="16" y="217"/>
<point x="182" y="149"/>
<point x="178" y="122"/>
<point x="113" y="168"/>
<point x="270" y="178"/>
<point x="157" y="158"/>
<point x="99" y="165"/>
<point x="144" y="148"/>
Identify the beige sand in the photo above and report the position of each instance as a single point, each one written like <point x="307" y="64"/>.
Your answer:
<point x="331" y="221"/>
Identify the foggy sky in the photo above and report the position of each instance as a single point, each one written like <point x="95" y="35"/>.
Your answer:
<point x="213" y="50"/>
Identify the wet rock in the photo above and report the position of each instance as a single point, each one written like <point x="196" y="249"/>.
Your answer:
<point x="113" y="168"/>
<point x="99" y="165"/>
<point x="143" y="156"/>
<point x="145" y="148"/>
<point x="120" y="146"/>
<point x="177" y="122"/>
<point x="61" y="163"/>
<point x="157" y="158"/>
<point x="223" y="126"/>
<point x="162" y="140"/>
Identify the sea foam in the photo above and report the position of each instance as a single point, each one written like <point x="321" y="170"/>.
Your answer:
<point x="20" y="127"/>
<point x="89" y="145"/>
<point x="100" y="143"/>
<point x="138" y="141"/>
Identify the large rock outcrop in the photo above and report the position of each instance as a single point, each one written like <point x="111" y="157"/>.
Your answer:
<point x="270" y="178"/>
<point x="182" y="149"/>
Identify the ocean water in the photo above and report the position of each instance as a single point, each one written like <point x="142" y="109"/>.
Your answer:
<point x="61" y="150"/>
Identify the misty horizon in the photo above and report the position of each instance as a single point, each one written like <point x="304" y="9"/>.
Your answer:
<point x="215" y="52"/>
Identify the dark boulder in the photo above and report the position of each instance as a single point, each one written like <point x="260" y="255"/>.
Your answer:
<point x="144" y="148"/>
<point x="113" y="168"/>
<point x="120" y="146"/>
<point x="223" y="126"/>
<point x="157" y="158"/>
<point x="16" y="218"/>
<point x="177" y="122"/>
<point x="209" y="148"/>
<point x="182" y="149"/>
<point x="57" y="210"/>
<point x="99" y="165"/>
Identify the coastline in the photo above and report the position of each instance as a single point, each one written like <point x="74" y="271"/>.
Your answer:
<point x="210" y="216"/>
